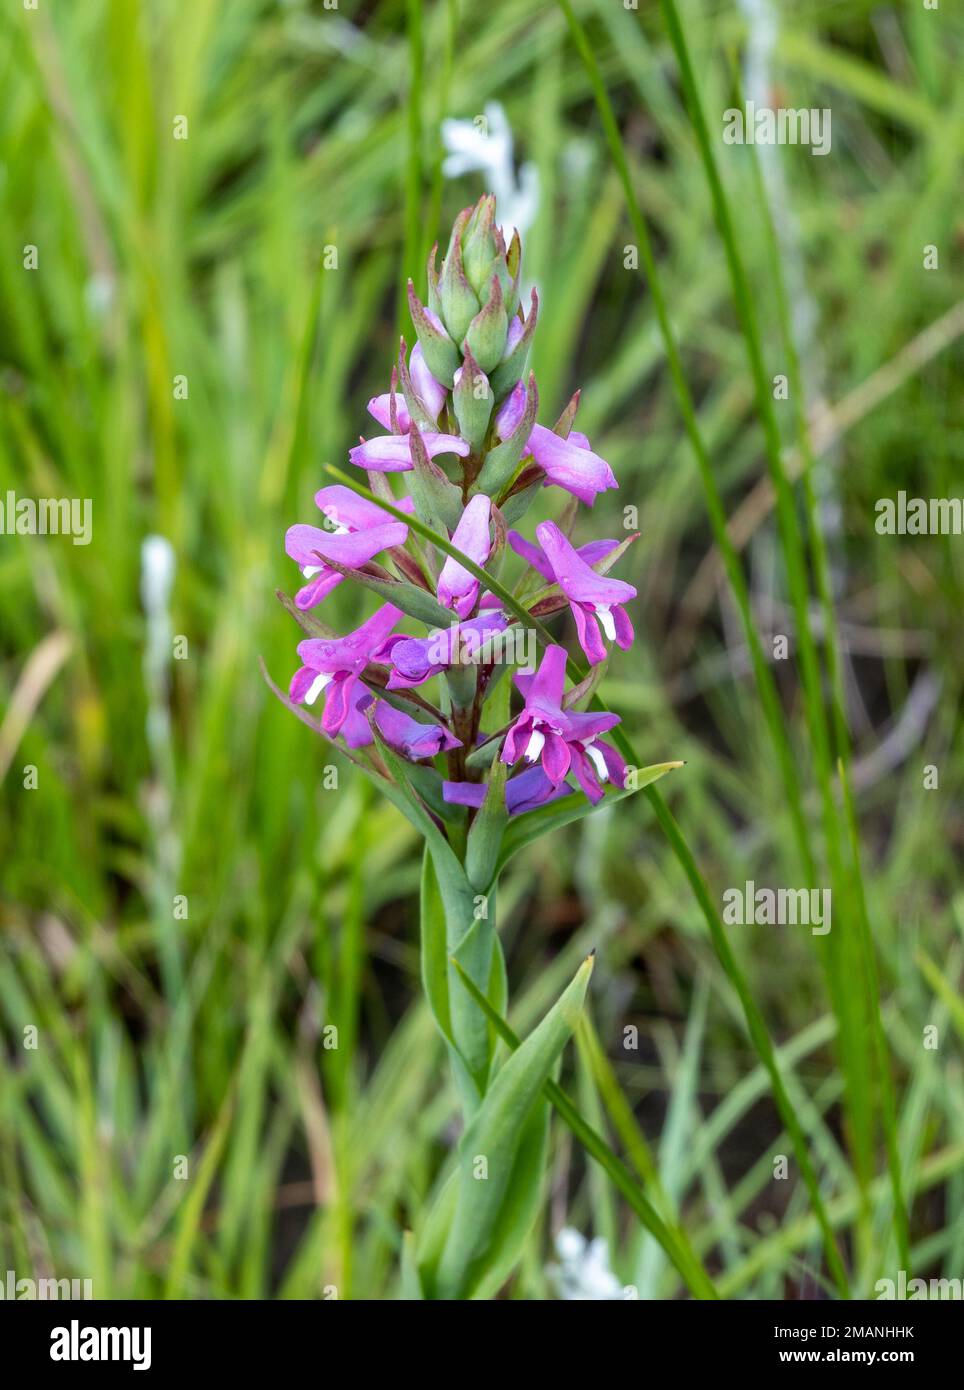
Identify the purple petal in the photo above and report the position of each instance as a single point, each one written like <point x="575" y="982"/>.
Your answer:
<point x="555" y="757"/>
<point x="354" y="548"/>
<point x="416" y="659"/>
<point x="570" y="464"/>
<point x="354" y="651"/>
<point x="587" y="630"/>
<point x="584" y="728"/>
<point x="391" y="453"/>
<point x="337" y="702"/>
<point x="532" y="553"/>
<point x="464" y="793"/>
<point x="615" y="764"/>
<point x="530" y="789"/>
<point x="301" y="683"/>
<point x="430" y="392"/>
<point x="586" y="774"/>
<point x="356" y="730"/>
<point x="624" y="628"/>
<point x="511" y="411"/>
<point x="317" y="589"/>
<point x="543" y="691"/>
<point x="591" y="553"/>
<point x="578" y="582"/>
<point x="346" y="511"/>
<point x="410" y="736"/>
<point x="456" y="586"/>
<point x="380" y="407"/>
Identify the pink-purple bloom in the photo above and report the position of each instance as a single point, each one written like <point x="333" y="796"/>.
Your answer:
<point x="524" y="792"/>
<point x="562" y="741"/>
<point x="590" y="553"/>
<point x="335" y="666"/>
<point x="595" y="600"/>
<point x="569" y="463"/>
<point x="361" y="530"/>
<point x="457" y="588"/>
<point x="392" y="453"/>
<point x="430" y="392"/>
<point x="415" y="660"/>
<point x="410" y="736"/>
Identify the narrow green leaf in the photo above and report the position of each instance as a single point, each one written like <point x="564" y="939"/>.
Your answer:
<point x="491" y="1145"/>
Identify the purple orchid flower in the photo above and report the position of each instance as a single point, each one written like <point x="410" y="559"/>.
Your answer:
<point x="392" y="453"/>
<point x="410" y="736"/>
<point x="457" y="588"/>
<point x="593" y="598"/>
<point x="335" y="667"/>
<point x="361" y="530"/>
<point x="524" y="792"/>
<point x="415" y="660"/>
<point x="562" y="740"/>
<point x="429" y="391"/>
<point x="591" y="553"/>
<point x="569" y="463"/>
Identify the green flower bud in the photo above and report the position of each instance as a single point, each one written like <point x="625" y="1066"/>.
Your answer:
<point x="486" y="335"/>
<point x="459" y="302"/>
<point x="472" y="399"/>
<point x="479" y="244"/>
<point x="441" y="354"/>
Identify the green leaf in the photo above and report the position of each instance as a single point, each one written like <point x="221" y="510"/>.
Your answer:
<point x="308" y="622"/>
<point x="452" y="924"/>
<point x="673" y="1239"/>
<point x="437" y="500"/>
<point x="486" y="1234"/>
<point x="485" y="836"/>
<point x="435" y="955"/>
<point x="411" y="1283"/>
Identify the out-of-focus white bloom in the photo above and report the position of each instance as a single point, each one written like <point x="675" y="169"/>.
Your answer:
<point x="158" y="565"/>
<point x="485" y="144"/>
<point x="583" y="1273"/>
<point x="157" y="574"/>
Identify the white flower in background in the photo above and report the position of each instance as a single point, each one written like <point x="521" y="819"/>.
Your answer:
<point x="583" y="1273"/>
<point x="485" y="144"/>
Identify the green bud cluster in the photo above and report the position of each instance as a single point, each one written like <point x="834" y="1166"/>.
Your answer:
<point x="473" y="326"/>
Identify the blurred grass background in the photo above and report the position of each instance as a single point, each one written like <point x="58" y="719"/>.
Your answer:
<point x="202" y="1035"/>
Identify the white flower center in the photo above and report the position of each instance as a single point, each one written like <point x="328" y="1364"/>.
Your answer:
<point x="317" y="686"/>
<point x="598" y="762"/>
<point x="606" y="618"/>
<point x="309" y="571"/>
<point x="535" y="745"/>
